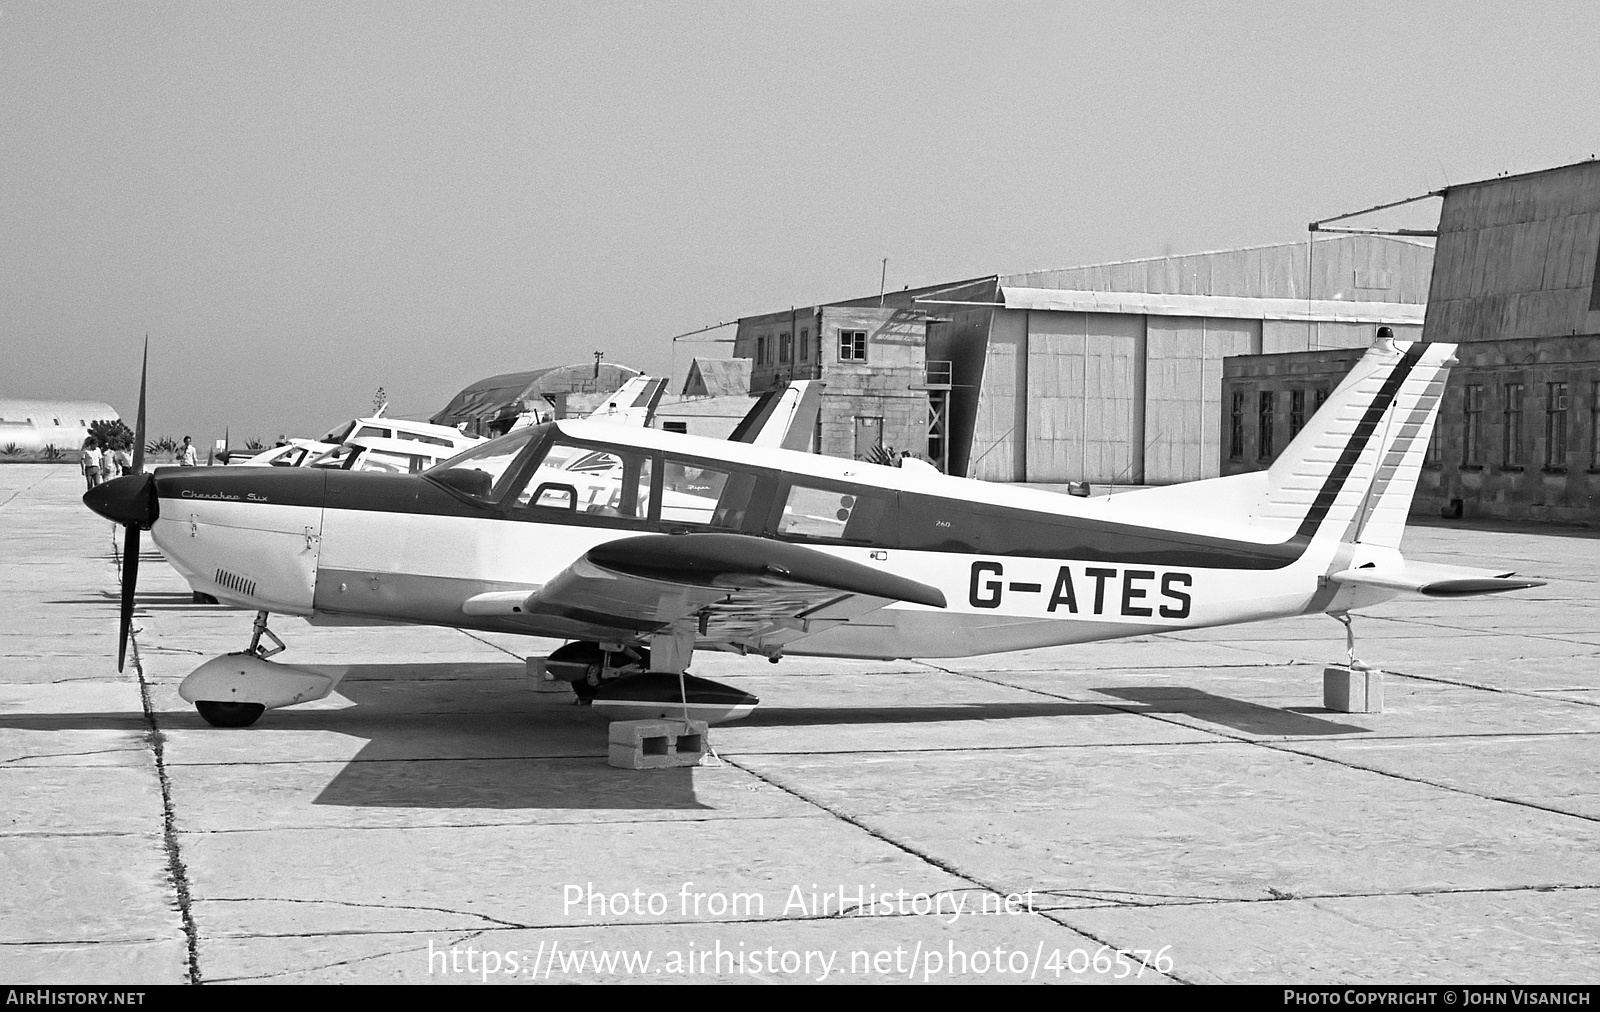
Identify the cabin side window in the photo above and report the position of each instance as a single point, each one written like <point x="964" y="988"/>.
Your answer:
<point x="836" y="512"/>
<point x="704" y="494"/>
<point x="601" y="482"/>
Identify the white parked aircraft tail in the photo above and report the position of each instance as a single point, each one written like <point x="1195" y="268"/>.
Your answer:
<point x="784" y="418"/>
<point x="634" y="403"/>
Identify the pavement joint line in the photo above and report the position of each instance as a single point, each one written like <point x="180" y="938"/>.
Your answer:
<point x="1288" y="749"/>
<point x="1379" y="894"/>
<point x="1552" y="637"/>
<point x="495" y="921"/>
<point x="66" y="755"/>
<point x="48" y="474"/>
<point x="554" y="824"/>
<point x="1339" y="738"/>
<point x="1479" y="686"/>
<point x="907" y="848"/>
<point x="177" y="872"/>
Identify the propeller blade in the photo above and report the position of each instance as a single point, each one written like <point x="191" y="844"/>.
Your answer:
<point x="138" y="432"/>
<point x="130" y="579"/>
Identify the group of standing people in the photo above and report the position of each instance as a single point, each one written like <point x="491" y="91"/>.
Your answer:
<point x="104" y="463"/>
<point x="101" y="464"/>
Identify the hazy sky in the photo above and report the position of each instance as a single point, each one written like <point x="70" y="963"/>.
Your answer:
<point x="300" y="202"/>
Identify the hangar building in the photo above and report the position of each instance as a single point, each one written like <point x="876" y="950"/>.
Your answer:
<point x="33" y="425"/>
<point x="562" y="389"/>
<point x="1516" y="282"/>
<point x="1107" y="373"/>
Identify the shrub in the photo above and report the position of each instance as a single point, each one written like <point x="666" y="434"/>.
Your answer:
<point x="52" y="452"/>
<point x="166" y="444"/>
<point x="255" y="444"/>
<point x="112" y="433"/>
<point x="10" y="449"/>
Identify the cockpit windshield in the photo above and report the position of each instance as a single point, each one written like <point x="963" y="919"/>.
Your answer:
<point x="492" y="461"/>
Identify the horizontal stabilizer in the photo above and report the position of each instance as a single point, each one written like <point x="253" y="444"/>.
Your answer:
<point x="1431" y="580"/>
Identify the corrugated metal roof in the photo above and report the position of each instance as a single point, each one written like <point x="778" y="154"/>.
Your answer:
<point x="1211" y="306"/>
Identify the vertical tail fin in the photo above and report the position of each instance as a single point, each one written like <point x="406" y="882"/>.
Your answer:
<point x="1349" y="475"/>
<point x="783" y="418"/>
<point x="634" y="403"/>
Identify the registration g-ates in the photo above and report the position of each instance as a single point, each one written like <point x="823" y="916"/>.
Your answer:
<point x="1136" y="593"/>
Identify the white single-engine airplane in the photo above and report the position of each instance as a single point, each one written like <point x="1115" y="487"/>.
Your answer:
<point x="700" y="544"/>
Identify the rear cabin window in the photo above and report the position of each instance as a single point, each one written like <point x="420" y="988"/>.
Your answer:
<point x="840" y="513"/>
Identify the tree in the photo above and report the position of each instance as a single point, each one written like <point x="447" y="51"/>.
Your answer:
<point x="111" y="433"/>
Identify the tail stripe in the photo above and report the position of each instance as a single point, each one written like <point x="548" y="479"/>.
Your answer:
<point x="1357" y="444"/>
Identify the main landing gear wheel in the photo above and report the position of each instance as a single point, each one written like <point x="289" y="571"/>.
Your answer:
<point x="219" y="714"/>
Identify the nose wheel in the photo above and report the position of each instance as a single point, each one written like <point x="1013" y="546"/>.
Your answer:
<point x="229" y="714"/>
<point x="219" y="713"/>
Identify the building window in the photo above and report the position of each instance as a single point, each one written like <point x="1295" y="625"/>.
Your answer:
<point x="761" y="350"/>
<point x="1236" y="429"/>
<point x="1264" y="425"/>
<point x="1297" y="412"/>
<point x="1430" y="453"/>
<point x="852" y="346"/>
<point x="785" y="348"/>
<point x="1511" y="425"/>
<point x="805" y="344"/>
<point x="1472" y="427"/>
<point x="1594" y="426"/>
<point x="1322" y="396"/>
<point x="1555" y="426"/>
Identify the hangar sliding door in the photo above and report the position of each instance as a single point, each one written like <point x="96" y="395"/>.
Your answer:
<point x="1183" y="370"/>
<point x="1085" y="397"/>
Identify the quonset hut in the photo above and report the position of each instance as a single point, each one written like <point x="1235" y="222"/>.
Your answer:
<point x="31" y="426"/>
<point x="489" y="405"/>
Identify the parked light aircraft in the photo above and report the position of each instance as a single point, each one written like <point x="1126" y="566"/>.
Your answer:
<point x="641" y="547"/>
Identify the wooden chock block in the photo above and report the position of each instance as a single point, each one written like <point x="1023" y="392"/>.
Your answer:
<point x="1352" y="690"/>
<point x="543" y="681"/>
<point x="657" y="744"/>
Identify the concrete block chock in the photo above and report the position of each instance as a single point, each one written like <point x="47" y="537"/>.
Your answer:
<point x="657" y="744"/>
<point x="1347" y="689"/>
<point x="542" y="680"/>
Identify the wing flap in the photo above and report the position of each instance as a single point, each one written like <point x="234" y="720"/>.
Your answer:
<point x="1433" y="580"/>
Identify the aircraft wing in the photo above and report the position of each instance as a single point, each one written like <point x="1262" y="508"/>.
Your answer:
<point x="1431" y="580"/>
<point x="742" y="591"/>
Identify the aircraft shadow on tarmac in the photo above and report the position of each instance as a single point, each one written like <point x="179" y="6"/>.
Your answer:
<point x="1250" y="718"/>
<point x="473" y="735"/>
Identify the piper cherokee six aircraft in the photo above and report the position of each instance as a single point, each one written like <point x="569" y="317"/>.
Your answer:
<point x="641" y="547"/>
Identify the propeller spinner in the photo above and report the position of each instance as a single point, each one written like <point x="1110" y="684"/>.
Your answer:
<point x="131" y="502"/>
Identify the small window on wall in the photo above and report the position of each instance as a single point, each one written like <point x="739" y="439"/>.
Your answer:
<point x="1594" y="425"/>
<point x="785" y="348"/>
<point x="761" y="350"/>
<point x="1236" y="428"/>
<point x="1511" y="424"/>
<point x="1555" y="427"/>
<point x="852" y="346"/>
<point x="1265" y="424"/>
<point x="805" y="344"/>
<point x="1297" y="412"/>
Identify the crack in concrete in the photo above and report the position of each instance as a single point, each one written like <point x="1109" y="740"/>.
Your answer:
<point x="177" y="872"/>
<point x="920" y="855"/>
<point x="66" y="755"/>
